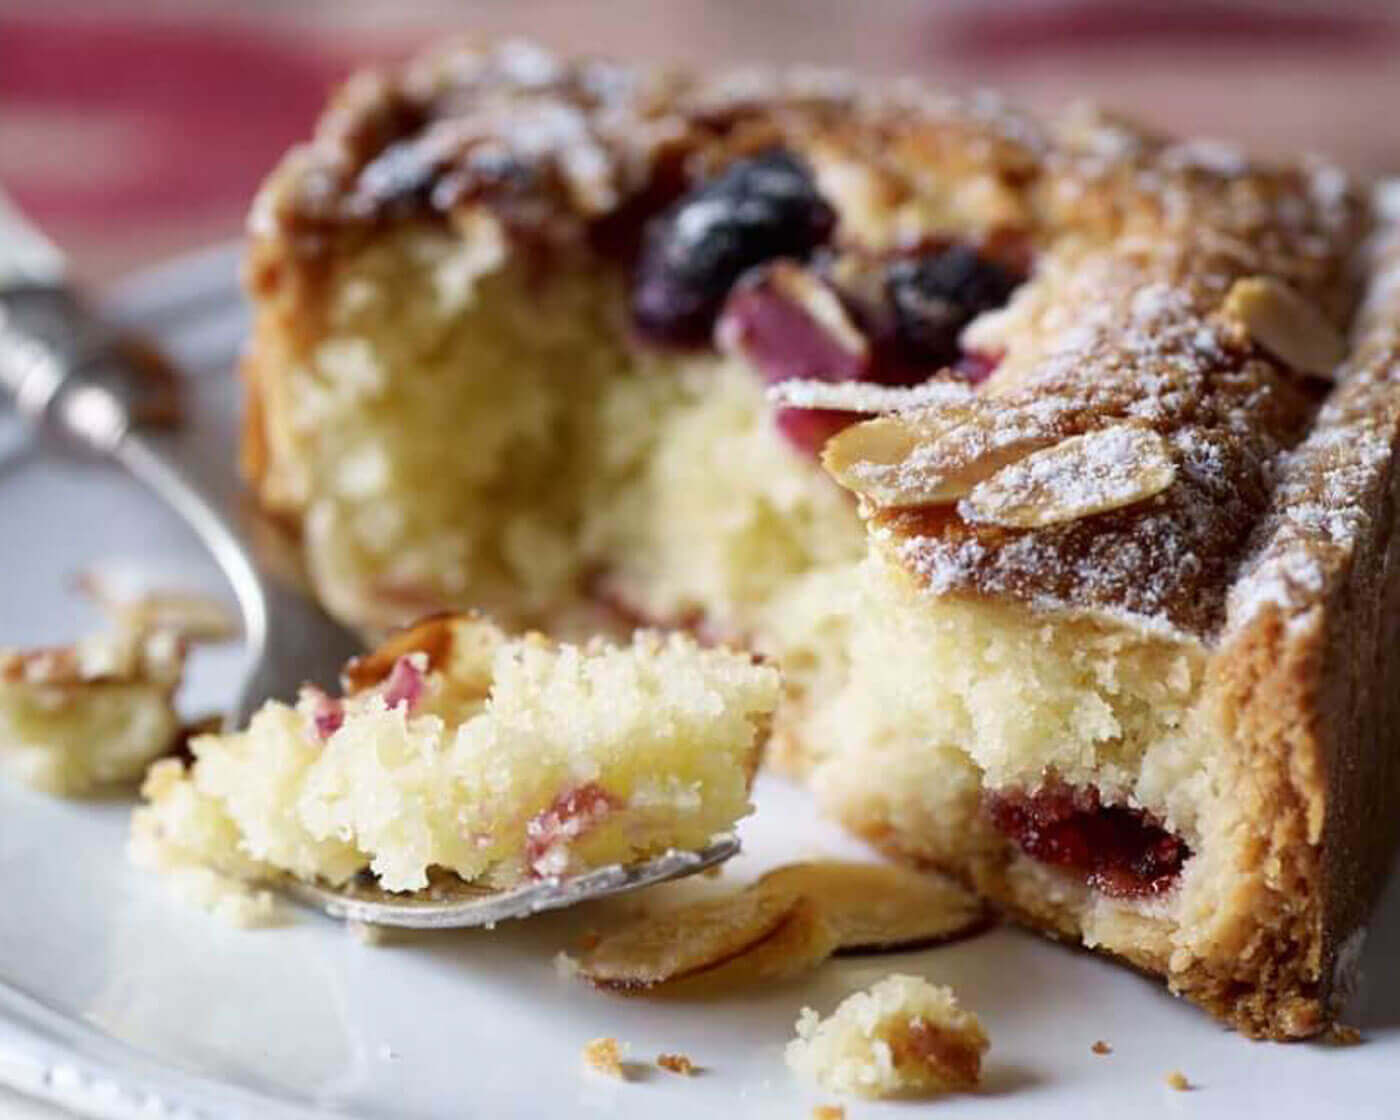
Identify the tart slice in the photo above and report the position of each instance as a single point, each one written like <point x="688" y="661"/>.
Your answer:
<point x="458" y="749"/>
<point x="1126" y="656"/>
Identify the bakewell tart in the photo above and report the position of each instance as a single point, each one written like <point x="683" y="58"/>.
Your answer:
<point x="459" y="750"/>
<point x="1096" y="607"/>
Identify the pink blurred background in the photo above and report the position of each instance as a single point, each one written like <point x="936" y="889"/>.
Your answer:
<point x="134" y="130"/>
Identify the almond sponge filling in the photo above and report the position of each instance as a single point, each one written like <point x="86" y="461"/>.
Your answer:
<point x="457" y="438"/>
<point x="463" y="431"/>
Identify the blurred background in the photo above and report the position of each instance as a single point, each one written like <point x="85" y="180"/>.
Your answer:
<point x="134" y="129"/>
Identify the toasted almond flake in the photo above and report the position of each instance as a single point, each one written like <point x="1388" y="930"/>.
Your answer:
<point x="931" y="457"/>
<point x="432" y="637"/>
<point x="1285" y="324"/>
<point x="1078" y="477"/>
<point x="819" y="300"/>
<point x="876" y="907"/>
<point x="752" y="935"/>
<point x="194" y="617"/>
<point x="605" y="1056"/>
<point x="866" y="396"/>
<point x="676" y="1063"/>
<point x="803" y="940"/>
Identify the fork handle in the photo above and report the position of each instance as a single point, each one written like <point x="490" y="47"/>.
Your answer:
<point x="72" y="375"/>
<point x="65" y="370"/>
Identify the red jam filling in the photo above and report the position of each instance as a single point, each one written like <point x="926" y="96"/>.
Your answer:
<point x="1123" y="852"/>
<point x="404" y="684"/>
<point x="550" y="832"/>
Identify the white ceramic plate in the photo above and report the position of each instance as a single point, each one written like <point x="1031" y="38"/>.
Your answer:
<point x="118" y="1001"/>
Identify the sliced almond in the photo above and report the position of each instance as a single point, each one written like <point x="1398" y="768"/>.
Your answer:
<point x="819" y="301"/>
<point x="194" y="617"/>
<point x="1078" y="477"/>
<point x="867" y="396"/>
<point x="432" y="636"/>
<point x="749" y="936"/>
<point x="932" y="457"/>
<point x="789" y="324"/>
<point x="877" y="907"/>
<point x="1285" y="324"/>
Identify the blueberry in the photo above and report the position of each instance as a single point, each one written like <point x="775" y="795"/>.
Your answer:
<point x="758" y="209"/>
<point x="935" y="294"/>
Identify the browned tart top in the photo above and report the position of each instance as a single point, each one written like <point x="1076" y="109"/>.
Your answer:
<point x="1118" y="436"/>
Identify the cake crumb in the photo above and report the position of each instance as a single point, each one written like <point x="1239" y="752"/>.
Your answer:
<point x="676" y="1063"/>
<point x="828" y="1112"/>
<point x="605" y="1056"/>
<point x="1177" y="1080"/>
<point x="565" y="966"/>
<point x="901" y="1037"/>
<point x="1101" y="1047"/>
<point x="1342" y="1035"/>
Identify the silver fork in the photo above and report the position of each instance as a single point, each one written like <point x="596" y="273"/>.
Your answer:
<point x="73" y="377"/>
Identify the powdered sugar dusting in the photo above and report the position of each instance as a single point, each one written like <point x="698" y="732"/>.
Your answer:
<point x="867" y="397"/>
<point x="1084" y="475"/>
<point x="1332" y="482"/>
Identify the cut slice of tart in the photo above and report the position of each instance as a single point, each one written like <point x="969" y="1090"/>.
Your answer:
<point x="1107" y="628"/>
<point x="457" y="749"/>
<point x="1125" y="655"/>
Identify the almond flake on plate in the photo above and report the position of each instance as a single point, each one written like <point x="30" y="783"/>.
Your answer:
<point x="749" y="936"/>
<point x="878" y="907"/>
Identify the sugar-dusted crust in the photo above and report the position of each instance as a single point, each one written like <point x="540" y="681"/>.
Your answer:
<point x="1139" y="240"/>
<point x="1310" y="667"/>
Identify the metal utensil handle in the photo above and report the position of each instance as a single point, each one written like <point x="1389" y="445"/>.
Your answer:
<point x="63" y="368"/>
<point x="68" y="375"/>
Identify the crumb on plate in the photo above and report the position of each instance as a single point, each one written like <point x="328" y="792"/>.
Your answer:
<point x="901" y="1037"/>
<point x="605" y="1056"/>
<point x="676" y="1063"/>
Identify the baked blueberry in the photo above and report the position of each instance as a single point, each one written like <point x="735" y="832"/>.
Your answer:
<point x="757" y="210"/>
<point x="935" y="294"/>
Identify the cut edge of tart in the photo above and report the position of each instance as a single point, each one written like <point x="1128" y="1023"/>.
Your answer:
<point x="459" y="749"/>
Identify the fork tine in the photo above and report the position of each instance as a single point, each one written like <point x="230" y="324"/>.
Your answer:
<point x="468" y="905"/>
